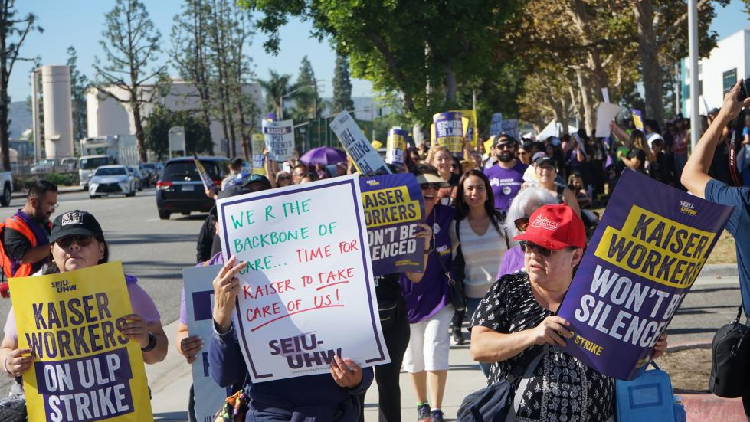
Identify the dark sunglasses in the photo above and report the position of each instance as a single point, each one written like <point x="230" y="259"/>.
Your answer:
<point x="80" y="240"/>
<point x="435" y="186"/>
<point x="528" y="247"/>
<point x="522" y="223"/>
<point x="505" y="146"/>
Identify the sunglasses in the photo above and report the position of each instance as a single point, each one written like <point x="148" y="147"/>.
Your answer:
<point x="522" y="223"/>
<point x="505" y="146"/>
<point x="528" y="247"/>
<point x="80" y="240"/>
<point x="425" y="186"/>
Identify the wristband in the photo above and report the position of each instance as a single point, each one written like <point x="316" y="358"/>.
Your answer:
<point x="151" y="343"/>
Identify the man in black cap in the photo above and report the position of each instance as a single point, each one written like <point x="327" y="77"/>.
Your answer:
<point x="506" y="177"/>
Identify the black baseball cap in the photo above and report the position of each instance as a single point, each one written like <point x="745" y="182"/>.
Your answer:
<point x="545" y="162"/>
<point x="242" y="184"/>
<point x="75" y="223"/>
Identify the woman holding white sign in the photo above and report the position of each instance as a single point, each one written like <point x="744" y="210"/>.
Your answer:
<point x="322" y="397"/>
<point x="428" y="302"/>
<point x="77" y="243"/>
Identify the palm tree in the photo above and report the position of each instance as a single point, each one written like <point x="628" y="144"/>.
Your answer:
<point x="276" y="87"/>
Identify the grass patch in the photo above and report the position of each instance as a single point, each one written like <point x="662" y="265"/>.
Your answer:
<point x="723" y="252"/>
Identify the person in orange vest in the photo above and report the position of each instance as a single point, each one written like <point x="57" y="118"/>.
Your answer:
<point x="24" y="242"/>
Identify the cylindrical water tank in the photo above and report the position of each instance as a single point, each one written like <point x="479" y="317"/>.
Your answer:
<point x="58" y="115"/>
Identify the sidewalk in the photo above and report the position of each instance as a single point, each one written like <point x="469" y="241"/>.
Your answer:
<point x="170" y="380"/>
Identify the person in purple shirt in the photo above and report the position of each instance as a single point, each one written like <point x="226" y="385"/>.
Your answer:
<point x="427" y="302"/>
<point x="525" y="203"/>
<point x="78" y="242"/>
<point x="696" y="179"/>
<point x="506" y="177"/>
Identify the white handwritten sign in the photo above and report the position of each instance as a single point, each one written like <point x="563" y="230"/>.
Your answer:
<point x="356" y="144"/>
<point x="307" y="289"/>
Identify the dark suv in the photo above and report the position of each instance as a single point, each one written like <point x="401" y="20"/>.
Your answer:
<point x="180" y="190"/>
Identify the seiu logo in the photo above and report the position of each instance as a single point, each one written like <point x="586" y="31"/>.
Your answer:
<point x="300" y="351"/>
<point x="687" y="208"/>
<point x="63" y="286"/>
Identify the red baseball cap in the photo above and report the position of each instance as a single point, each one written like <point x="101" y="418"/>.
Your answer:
<point x="555" y="227"/>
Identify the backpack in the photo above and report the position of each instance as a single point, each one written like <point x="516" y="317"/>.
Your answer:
<point x="648" y="398"/>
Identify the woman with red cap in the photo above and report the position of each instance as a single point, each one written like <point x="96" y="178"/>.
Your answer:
<point x="519" y="315"/>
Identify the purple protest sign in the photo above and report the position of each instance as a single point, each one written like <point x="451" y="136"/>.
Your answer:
<point x="641" y="262"/>
<point x="393" y="208"/>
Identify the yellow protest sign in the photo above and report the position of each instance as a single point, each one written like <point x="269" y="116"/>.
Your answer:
<point x="84" y="369"/>
<point x="471" y="130"/>
<point x="488" y="146"/>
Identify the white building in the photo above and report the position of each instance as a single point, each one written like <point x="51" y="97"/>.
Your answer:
<point x="107" y="116"/>
<point x="717" y="73"/>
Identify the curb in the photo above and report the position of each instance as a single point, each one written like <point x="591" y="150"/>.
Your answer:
<point x="703" y="406"/>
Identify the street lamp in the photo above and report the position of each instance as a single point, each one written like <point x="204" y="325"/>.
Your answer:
<point x="282" y="96"/>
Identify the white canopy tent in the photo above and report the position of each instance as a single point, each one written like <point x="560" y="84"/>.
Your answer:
<point x="554" y="129"/>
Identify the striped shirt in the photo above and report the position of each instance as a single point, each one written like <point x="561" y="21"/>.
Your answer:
<point x="482" y="255"/>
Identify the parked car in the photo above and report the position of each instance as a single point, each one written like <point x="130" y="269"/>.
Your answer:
<point x="179" y="188"/>
<point x="150" y="173"/>
<point x="44" y="166"/>
<point x="6" y="181"/>
<point x="139" y="179"/>
<point x="112" y="180"/>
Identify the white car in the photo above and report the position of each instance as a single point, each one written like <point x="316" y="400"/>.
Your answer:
<point x="112" y="180"/>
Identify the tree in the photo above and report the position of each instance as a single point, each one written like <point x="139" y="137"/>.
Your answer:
<point x="79" y="84"/>
<point x="161" y="119"/>
<point x="131" y="45"/>
<point x="342" y="86"/>
<point x="276" y="87"/>
<point x="308" y="102"/>
<point x="13" y="33"/>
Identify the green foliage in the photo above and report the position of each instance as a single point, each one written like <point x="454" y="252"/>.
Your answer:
<point x="277" y="86"/>
<point x="158" y="123"/>
<point x="307" y="100"/>
<point x="342" y="86"/>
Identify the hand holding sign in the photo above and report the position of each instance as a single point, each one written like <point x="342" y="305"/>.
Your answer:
<point x="346" y="373"/>
<point x="190" y="347"/>
<point x="226" y="287"/>
<point x="18" y="361"/>
<point x="135" y="329"/>
<point x="550" y="331"/>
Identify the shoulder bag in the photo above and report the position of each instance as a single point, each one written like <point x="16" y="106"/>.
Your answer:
<point x="648" y="398"/>
<point x="730" y="359"/>
<point x="496" y="403"/>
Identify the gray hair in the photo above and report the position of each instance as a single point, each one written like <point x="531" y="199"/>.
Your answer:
<point x="527" y="200"/>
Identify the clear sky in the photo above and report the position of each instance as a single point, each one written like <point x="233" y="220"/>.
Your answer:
<point x="80" y="23"/>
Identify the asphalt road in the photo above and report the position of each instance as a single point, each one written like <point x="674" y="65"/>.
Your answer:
<point x="151" y="249"/>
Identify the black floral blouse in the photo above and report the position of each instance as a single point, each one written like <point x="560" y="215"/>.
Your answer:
<point x="563" y="389"/>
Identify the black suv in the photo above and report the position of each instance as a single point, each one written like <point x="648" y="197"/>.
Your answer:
<point x="180" y="190"/>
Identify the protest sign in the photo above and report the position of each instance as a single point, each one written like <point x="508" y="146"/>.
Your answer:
<point x="279" y="139"/>
<point x="449" y="132"/>
<point x="395" y="154"/>
<point x="307" y="289"/>
<point x="604" y="115"/>
<point x="643" y="258"/>
<point x="258" y="145"/>
<point x="488" y="145"/>
<point x="208" y="184"/>
<point x="368" y="161"/>
<point x="637" y="119"/>
<point x="471" y="130"/>
<point x="84" y="369"/>
<point x="510" y="127"/>
<point x="199" y="293"/>
<point x="497" y="124"/>
<point x="393" y="208"/>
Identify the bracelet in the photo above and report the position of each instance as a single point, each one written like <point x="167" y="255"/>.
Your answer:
<point x="151" y="343"/>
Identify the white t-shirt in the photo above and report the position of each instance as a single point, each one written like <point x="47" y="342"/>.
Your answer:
<point x="482" y="255"/>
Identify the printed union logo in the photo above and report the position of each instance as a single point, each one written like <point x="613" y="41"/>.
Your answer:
<point x="545" y="223"/>
<point x="687" y="208"/>
<point x="373" y="183"/>
<point x="72" y="217"/>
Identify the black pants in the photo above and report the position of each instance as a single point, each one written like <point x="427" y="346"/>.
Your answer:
<point x="396" y="336"/>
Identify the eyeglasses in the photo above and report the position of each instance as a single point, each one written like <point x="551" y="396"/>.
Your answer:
<point x="528" y="247"/>
<point x="80" y="240"/>
<point x="505" y="146"/>
<point x="522" y="223"/>
<point x="426" y="186"/>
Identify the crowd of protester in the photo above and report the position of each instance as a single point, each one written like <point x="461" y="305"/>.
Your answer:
<point x="478" y="225"/>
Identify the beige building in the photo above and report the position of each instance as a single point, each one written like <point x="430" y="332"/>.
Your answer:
<point x="107" y="116"/>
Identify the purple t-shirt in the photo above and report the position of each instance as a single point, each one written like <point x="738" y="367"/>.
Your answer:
<point x="505" y="183"/>
<point x="139" y="300"/>
<point x="217" y="259"/>
<point x="512" y="262"/>
<point x="426" y="298"/>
